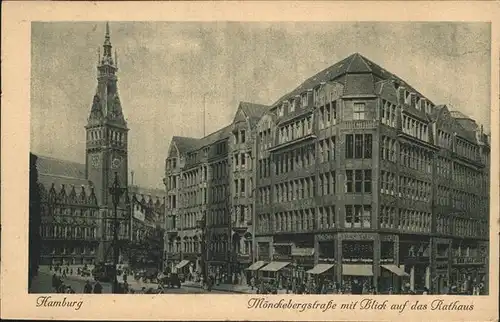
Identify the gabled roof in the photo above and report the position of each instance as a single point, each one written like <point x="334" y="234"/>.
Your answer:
<point x="61" y="168"/>
<point x="185" y="144"/>
<point x="457" y="127"/>
<point x="354" y="64"/>
<point x="254" y="111"/>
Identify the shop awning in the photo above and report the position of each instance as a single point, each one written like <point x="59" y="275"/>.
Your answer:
<point x="255" y="266"/>
<point x="395" y="269"/>
<point x="274" y="266"/>
<point x="320" y="268"/>
<point x="357" y="270"/>
<point x="183" y="263"/>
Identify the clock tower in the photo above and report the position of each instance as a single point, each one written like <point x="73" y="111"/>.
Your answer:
<point x="106" y="151"/>
<point x="106" y="130"/>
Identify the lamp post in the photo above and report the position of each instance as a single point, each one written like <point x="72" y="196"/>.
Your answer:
<point x="201" y="225"/>
<point x="116" y="191"/>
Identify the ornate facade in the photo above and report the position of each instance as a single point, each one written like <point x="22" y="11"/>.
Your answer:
<point x="366" y="174"/>
<point x="211" y="179"/>
<point x="354" y="169"/>
<point x="77" y="209"/>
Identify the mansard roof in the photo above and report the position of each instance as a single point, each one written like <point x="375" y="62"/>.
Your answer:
<point x="355" y="64"/>
<point x="215" y="136"/>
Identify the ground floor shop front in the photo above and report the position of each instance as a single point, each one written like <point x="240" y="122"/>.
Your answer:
<point x="370" y="263"/>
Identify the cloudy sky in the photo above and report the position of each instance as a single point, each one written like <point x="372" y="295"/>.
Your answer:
<point x="165" y="68"/>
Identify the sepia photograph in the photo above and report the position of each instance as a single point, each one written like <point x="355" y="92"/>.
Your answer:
<point x="260" y="158"/>
<point x="260" y="161"/>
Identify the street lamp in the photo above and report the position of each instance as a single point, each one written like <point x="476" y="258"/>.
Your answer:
<point x="116" y="191"/>
<point x="201" y="225"/>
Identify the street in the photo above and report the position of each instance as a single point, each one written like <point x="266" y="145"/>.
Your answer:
<point x="43" y="284"/>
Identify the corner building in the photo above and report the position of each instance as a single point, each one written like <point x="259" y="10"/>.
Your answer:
<point x="358" y="170"/>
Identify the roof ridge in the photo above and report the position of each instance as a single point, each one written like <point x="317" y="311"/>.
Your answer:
<point x="42" y="156"/>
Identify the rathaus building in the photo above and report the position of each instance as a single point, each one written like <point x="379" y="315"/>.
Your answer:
<point x="77" y="213"/>
<point x="354" y="174"/>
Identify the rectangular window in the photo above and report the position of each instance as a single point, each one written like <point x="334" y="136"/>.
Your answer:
<point x="368" y="181"/>
<point x="349" y="216"/>
<point x="359" y="111"/>
<point x="242" y="137"/>
<point x="349" y="153"/>
<point x="349" y="181"/>
<point x="368" y="146"/>
<point x="358" y="146"/>
<point x="358" y="180"/>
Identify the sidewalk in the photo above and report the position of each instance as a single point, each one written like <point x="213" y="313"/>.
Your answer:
<point x="242" y="289"/>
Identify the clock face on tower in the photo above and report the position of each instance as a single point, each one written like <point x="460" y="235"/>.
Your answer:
<point x="116" y="162"/>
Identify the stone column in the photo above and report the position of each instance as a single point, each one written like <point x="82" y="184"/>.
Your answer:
<point x="428" y="277"/>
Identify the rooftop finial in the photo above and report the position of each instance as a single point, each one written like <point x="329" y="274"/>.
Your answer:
<point x="107" y="29"/>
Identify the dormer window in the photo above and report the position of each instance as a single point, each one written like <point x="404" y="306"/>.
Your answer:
<point x="286" y="107"/>
<point x="304" y="100"/>
<point x="280" y="110"/>
<point x="316" y="95"/>
<point x="292" y="105"/>
<point x="407" y="97"/>
<point x="417" y="103"/>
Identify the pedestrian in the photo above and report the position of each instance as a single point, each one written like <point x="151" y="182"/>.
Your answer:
<point x="97" y="288"/>
<point x="55" y="281"/>
<point x="87" y="288"/>
<point x="252" y="282"/>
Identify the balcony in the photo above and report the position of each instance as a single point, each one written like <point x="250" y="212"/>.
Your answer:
<point x="469" y="261"/>
<point x="358" y="124"/>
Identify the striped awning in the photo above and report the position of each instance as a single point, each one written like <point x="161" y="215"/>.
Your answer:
<point x="255" y="266"/>
<point x="320" y="268"/>
<point x="395" y="269"/>
<point x="274" y="266"/>
<point x="183" y="263"/>
<point x="357" y="270"/>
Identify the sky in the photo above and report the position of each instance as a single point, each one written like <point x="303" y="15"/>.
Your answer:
<point x="166" y="68"/>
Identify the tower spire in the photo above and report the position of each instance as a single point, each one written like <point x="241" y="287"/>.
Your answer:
<point x="107" y="56"/>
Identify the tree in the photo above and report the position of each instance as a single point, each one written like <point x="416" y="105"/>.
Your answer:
<point x="34" y="221"/>
<point x="148" y="251"/>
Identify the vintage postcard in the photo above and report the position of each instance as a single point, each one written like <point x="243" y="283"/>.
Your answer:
<point x="250" y="161"/>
